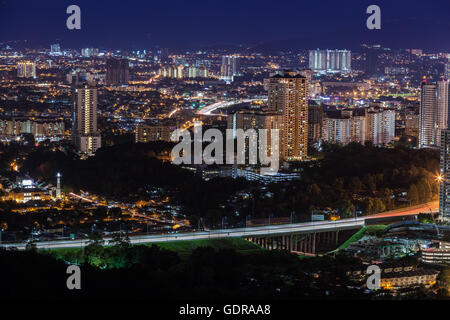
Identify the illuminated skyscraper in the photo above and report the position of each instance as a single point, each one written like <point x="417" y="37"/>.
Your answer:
<point x="55" y="49"/>
<point x="84" y="130"/>
<point x="288" y="95"/>
<point x="229" y="68"/>
<point x="117" y="71"/>
<point x="330" y="61"/>
<point x="442" y="107"/>
<point x="427" y="135"/>
<point x="26" y="69"/>
<point x="380" y="126"/>
<point x="444" y="177"/>
<point x="250" y="119"/>
<point x="89" y="52"/>
<point x="434" y="109"/>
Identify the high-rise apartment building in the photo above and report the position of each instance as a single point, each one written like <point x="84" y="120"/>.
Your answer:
<point x="315" y="119"/>
<point x="434" y="109"/>
<point x="380" y="125"/>
<point x="26" y="69"/>
<point x="85" y="135"/>
<point x="147" y="133"/>
<point x="314" y="87"/>
<point x="444" y="190"/>
<point x="229" y="68"/>
<point x="442" y="100"/>
<point x="376" y="125"/>
<point x="248" y="119"/>
<point x="428" y="104"/>
<point x="344" y="126"/>
<point x="89" y="52"/>
<point x="55" y="49"/>
<point x="330" y="61"/>
<point x="371" y="64"/>
<point x="412" y="125"/>
<point x="288" y="95"/>
<point x="40" y="128"/>
<point x="180" y="71"/>
<point x="117" y="71"/>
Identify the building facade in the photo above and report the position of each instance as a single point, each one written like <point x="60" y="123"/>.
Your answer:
<point x="41" y="129"/>
<point x="229" y="68"/>
<point x="434" y="109"/>
<point x="117" y="71"/>
<point x="85" y="135"/>
<point x="444" y="190"/>
<point x="26" y="69"/>
<point x="344" y="127"/>
<point x="376" y="125"/>
<point x="315" y="120"/>
<point x="330" y="61"/>
<point x="288" y="95"/>
<point x="147" y="133"/>
<point x="256" y="120"/>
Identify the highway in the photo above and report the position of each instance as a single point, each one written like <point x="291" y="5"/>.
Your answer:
<point x="207" y="111"/>
<point x="306" y="227"/>
<point x="213" y="234"/>
<point x="422" y="208"/>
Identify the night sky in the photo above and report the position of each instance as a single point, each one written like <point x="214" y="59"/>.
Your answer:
<point x="181" y="24"/>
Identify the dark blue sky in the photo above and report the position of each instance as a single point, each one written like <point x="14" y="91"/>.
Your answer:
<point x="194" y="23"/>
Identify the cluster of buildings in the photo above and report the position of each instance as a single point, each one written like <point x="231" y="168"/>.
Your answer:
<point x="401" y="240"/>
<point x="89" y="52"/>
<point x="302" y="121"/>
<point x="117" y="71"/>
<point x="387" y="247"/>
<point x="229" y="68"/>
<point x="26" y="69"/>
<point x="399" y="277"/>
<point x="330" y="61"/>
<point x="40" y="128"/>
<point x="180" y="72"/>
<point x="24" y="190"/>
<point x="373" y="124"/>
<point x="156" y="132"/>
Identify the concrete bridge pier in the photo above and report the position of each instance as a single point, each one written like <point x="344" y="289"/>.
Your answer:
<point x="304" y="243"/>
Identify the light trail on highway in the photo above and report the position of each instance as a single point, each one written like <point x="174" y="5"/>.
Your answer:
<point x="249" y="232"/>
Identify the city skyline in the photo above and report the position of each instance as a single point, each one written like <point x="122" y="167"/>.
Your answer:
<point x="214" y="150"/>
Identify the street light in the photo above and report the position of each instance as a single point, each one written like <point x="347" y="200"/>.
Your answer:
<point x="292" y="214"/>
<point x="246" y="220"/>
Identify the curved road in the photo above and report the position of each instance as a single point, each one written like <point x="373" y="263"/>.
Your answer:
<point x="306" y="227"/>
